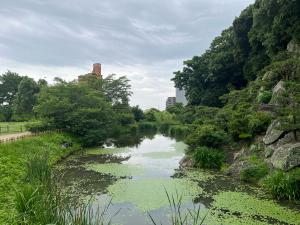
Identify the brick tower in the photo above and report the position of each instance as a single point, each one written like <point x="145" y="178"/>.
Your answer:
<point x="97" y="70"/>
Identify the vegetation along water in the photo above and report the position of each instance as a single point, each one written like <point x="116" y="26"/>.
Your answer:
<point x="230" y="156"/>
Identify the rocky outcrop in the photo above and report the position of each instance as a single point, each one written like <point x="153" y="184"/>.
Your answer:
<point x="293" y="47"/>
<point x="278" y="91"/>
<point x="286" y="157"/>
<point x="186" y="162"/>
<point x="274" y="133"/>
<point x="237" y="167"/>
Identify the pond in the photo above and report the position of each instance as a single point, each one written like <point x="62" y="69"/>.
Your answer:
<point x="136" y="173"/>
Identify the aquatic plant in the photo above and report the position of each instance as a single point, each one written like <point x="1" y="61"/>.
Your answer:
<point x="208" y="158"/>
<point x="40" y="201"/>
<point x="180" y="216"/>
<point x="283" y="185"/>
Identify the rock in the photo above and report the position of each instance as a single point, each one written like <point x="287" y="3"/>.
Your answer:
<point x="286" y="157"/>
<point x="273" y="133"/>
<point x="293" y="47"/>
<point x="269" y="76"/>
<point x="236" y="168"/>
<point x="186" y="162"/>
<point x="278" y="91"/>
<point x="269" y="151"/>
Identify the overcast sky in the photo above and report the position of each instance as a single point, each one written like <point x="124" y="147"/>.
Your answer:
<point x="147" y="40"/>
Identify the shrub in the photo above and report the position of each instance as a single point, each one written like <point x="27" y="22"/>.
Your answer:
<point x="254" y="173"/>
<point x="208" y="158"/>
<point x="179" y="130"/>
<point x="147" y="126"/>
<point x="259" y="122"/>
<point x="283" y="185"/>
<point x="207" y="135"/>
<point x="265" y="97"/>
<point x="164" y="128"/>
<point x="38" y="126"/>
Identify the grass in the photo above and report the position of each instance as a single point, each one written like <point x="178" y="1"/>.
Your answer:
<point x="256" y="171"/>
<point x="12" y="127"/>
<point x="39" y="201"/>
<point x="208" y="158"/>
<point x="178" y="215"/>
<point x="283" y="185"/>
<point x="14" y="157"/>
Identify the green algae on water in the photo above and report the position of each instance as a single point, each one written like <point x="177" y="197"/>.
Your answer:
<point x="116" y="169"/>
<point x="150" y="194"/>
<point x="249" y="208"/>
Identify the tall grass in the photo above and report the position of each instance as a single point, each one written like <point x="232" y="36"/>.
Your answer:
<point x="179" y="216"/>
<point x="39" y="201"/>
<point x="283" y="185"/>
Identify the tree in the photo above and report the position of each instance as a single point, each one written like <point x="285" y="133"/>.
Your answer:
<point x="77" y="109"/>
<point x="137" y="113"/>
<point x="9" y="83"/>
<point x="26" y="98"/>
<point x="116" y="90"/>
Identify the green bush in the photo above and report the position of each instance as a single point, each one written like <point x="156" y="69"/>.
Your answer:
<point x="207" y="135"/>
<point x="208" y="158"/>
<point x="164" y="128"/>
<point x="265" y="97"/>
<point x="259" y="122"/>
<point x="39" y="126"/>
<point x="147" y="126"/>
<point x="254" y="173"/>
<point x="283" y="185"/>
<point x="179" y="130"/>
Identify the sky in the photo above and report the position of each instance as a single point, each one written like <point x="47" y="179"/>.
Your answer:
<point x="146" y="40"/>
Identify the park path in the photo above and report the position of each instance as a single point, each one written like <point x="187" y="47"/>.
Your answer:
<point x="14" y="137"/>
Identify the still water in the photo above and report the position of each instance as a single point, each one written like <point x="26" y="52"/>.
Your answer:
<point x="135" y="173"/>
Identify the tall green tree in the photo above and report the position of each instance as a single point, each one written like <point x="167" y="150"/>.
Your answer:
<point x="9" y="84"/>
<point x="26" y="98"/>
<point x="77" y="109"/>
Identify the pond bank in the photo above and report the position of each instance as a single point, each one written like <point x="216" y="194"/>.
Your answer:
<point x="14" y="157"/>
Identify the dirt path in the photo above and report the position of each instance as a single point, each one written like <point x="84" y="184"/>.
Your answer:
<point x="13" y="137"/>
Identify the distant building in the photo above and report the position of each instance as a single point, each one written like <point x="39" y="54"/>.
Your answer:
<point x="180" y="97"/>
<point x="170" y="101"/>
<point x="96" y="71"/>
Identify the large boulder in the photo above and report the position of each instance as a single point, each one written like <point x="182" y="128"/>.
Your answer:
<point x="293" y="46"/>
<point x="278" y="91"/>
<point x="274" y="133"/>
<point x="286" y="157"/>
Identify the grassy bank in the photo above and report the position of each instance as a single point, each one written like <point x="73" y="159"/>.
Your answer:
<point x="13" y="159"/>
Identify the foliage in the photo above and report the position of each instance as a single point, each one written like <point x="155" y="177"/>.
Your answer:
<point x="207" y="135"/>
<point x="40" y="202"/>
<point x="77" y="109"/>
<point x="178" y="217"/>
<point x="147" y="126"/>
<point x="26" y="98"/>
<point x="265" y="97"/>
<point x="179" y="130"/>
<point x="283" y="185"/>
<point x="256" y="171"/>
<point x="137" y="113"/>
<point x="290" y="107"/>
<point x="14" y="165"/>
<point x="257" y="36"/>
<point x="208" y="158"/>
<point x="116" y="90"/>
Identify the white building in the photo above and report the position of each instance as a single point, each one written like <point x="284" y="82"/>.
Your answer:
<point x="180" y="97"/>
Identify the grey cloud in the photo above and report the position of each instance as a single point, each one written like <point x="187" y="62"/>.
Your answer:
<point x="147" y="33"/>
